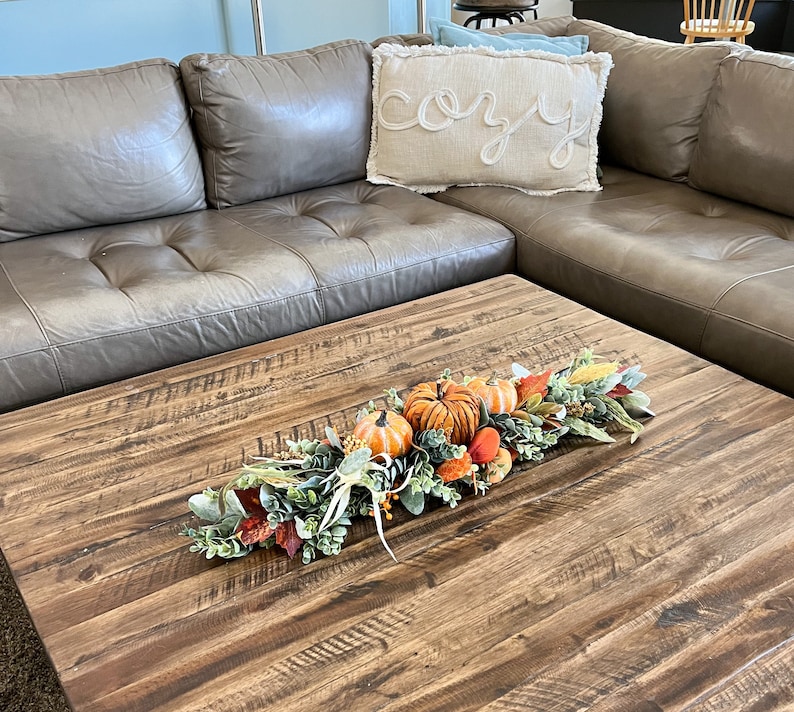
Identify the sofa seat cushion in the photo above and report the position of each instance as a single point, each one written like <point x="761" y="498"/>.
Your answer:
<point x="373" y="246"/>
<point x="665" y="258"/>
<point x="111" y="302"/>
<point x="96" y="147"/>
<point x="96" y="305"/>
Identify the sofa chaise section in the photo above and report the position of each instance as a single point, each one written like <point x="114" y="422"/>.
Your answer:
<point x="692" y="237"/>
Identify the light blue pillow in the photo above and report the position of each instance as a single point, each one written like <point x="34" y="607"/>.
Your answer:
<point x="450" y="34"/>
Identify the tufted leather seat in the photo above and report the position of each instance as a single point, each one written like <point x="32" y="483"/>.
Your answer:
<point x="663" y="257"/>
<point x="103" y="303"/>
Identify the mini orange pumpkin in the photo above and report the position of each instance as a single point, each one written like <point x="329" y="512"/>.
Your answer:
<point x="444" y="405"/>
<point x="385" y="432"/>
<point x="500" y="396"/>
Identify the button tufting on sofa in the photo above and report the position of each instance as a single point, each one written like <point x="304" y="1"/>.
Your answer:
<point x="106" y="276"/>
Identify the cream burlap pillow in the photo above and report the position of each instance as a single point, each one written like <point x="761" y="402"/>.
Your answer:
<point x="447" y="116"/>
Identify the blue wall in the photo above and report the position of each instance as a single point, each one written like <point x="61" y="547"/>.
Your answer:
<point x="297" y="24"/>
<point x="43" y="36"/>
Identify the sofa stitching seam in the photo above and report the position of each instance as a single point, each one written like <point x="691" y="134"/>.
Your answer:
<point x="317" y="285"/>
<point x="145" y="329"/>
<point x="102" y="71"/>
<point x="340" y="44"/>
<point x="714" y="312"/>
<point x="210" y="138"/>
<point x="752" y="324"/>
<point x="49" y="347"/>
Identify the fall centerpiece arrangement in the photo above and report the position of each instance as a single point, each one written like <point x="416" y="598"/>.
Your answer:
<point x="441" y="441"/>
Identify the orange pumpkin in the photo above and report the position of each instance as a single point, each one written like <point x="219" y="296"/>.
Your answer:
<point x="500" y="396"/>
<point x="446" y="405"/>
<point x="385" y="432"/>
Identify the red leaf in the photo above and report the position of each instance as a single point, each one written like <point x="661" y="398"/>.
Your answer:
<point x="618" y="391"/>
<point x="530" y="385"/>
<point x="254" y="530"/>
<point x="287" y="537"/>
<point x="249" y="498"/>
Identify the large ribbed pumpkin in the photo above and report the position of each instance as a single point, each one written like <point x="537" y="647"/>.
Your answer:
<point x="385" y="432"/>
<point x="444" y="405"/>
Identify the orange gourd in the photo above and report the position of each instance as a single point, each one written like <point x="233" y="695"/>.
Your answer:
<point x="444" y="405"/>
<point x="385" y="432"/>
<point x="500" y="396"/>
<point x="500" y="466"/>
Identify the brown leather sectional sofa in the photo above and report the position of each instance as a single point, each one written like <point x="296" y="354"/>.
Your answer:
<point x="153" y="214"/>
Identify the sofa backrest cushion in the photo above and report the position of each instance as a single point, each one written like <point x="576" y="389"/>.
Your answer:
<point x="277" y="124"/>
<point x="551" y="26"/>
<point x="95" y="147"/>
<point x="655" y="98"/>
<point x="746" y="140"/>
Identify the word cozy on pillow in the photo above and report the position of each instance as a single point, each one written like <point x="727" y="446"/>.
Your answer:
<point x="446" y="116"/>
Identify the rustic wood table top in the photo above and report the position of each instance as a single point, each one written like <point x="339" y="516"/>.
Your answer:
<point x="654" y="576"/>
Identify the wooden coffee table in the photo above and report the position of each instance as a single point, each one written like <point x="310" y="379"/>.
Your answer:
<point x="655" y="576"/>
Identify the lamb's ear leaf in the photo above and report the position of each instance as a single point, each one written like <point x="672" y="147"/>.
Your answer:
<point x="205" y="507"/>
<point x="414" y="502"/>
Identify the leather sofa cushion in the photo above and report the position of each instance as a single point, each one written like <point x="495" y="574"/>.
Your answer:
<point x="281" y="123"/>
<point x="551" y="26"/>
<point x="752" y="325"/>
<point x="706" y="273"/>
<point x="100" y="304"/>
<point x="95" y="147"/>
<point x="655" y="98"/>
<point x="746" y="139"/>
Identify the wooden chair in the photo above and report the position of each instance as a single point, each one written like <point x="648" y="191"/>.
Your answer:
<point x="717" y="20"/>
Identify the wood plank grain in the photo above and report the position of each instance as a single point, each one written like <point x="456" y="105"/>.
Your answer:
<point x="638" y="577"/>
